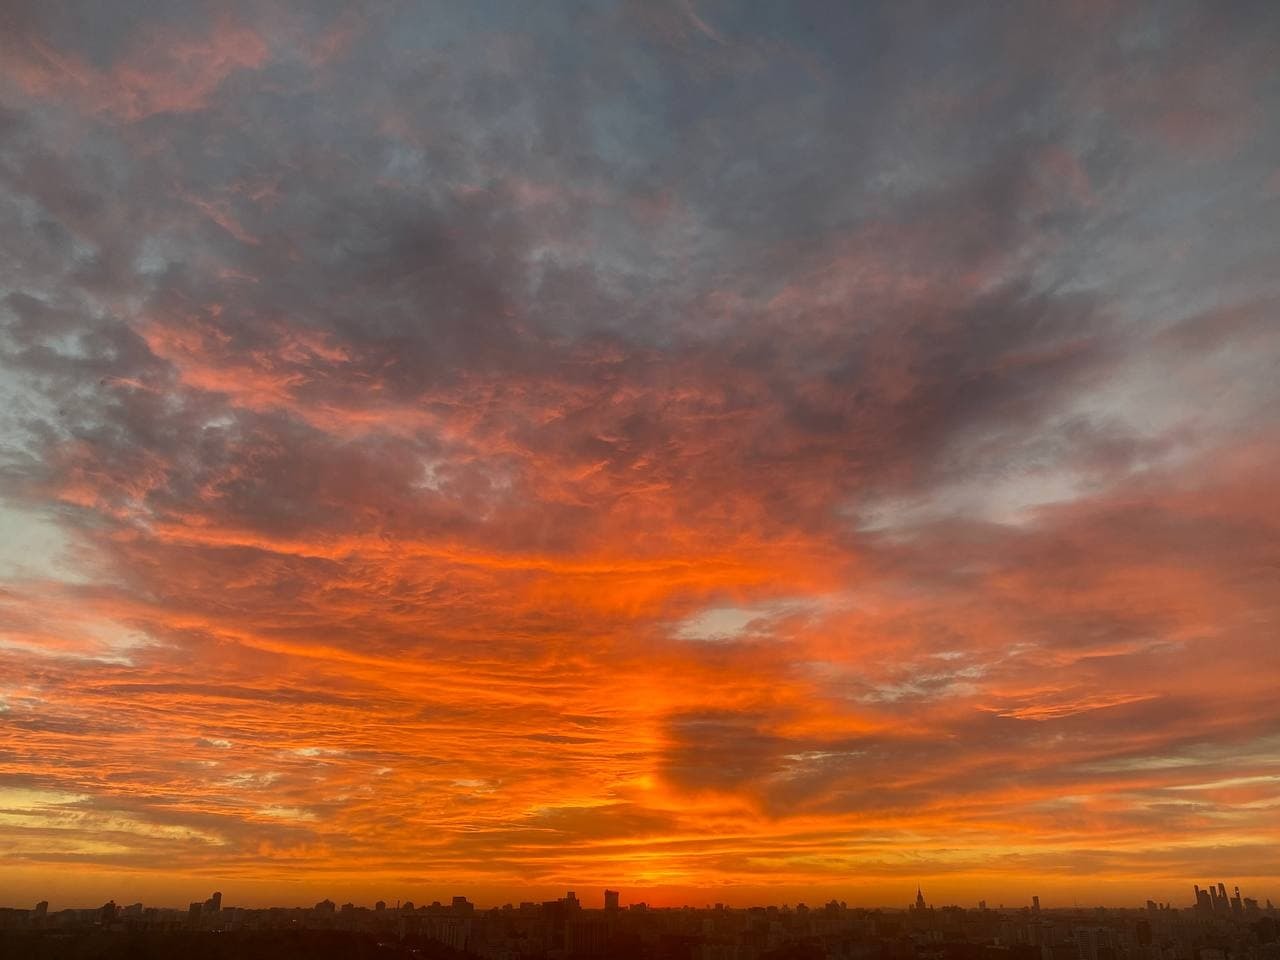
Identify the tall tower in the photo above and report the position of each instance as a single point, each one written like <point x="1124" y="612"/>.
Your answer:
<point x="1204" y="899"/>
<point x="919" y="898"/>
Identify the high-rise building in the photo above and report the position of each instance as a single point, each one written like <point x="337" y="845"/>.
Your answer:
<point x="1035" y="904"/>
<point x="1204" y="899"/>
<point x="586" y="936"/>
<point x="1092" y="943"/>
<point x="611" y="899"/>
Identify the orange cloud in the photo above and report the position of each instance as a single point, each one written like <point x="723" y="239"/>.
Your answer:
<point x="476" y="469"/>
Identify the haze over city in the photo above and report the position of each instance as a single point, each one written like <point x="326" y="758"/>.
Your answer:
<point x="739" y="453"/>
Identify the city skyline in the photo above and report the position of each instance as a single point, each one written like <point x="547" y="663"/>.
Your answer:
<point x="1217" y="927"/>
<point x="1212" y="900"/>
<point x="708" y="450"/>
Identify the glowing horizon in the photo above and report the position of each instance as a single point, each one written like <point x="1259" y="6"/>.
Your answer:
<point x="709" y="453"/>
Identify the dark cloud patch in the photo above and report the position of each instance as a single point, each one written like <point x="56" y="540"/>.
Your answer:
<point x="720" y="751"/>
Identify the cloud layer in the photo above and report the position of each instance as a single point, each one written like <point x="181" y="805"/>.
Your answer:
<point x="721" y="454"/>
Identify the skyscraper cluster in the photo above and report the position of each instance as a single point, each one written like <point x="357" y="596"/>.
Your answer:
<point x="1216" y="901"/>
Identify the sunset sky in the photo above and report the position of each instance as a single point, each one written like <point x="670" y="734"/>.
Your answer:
<point x="724" y="452"/>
